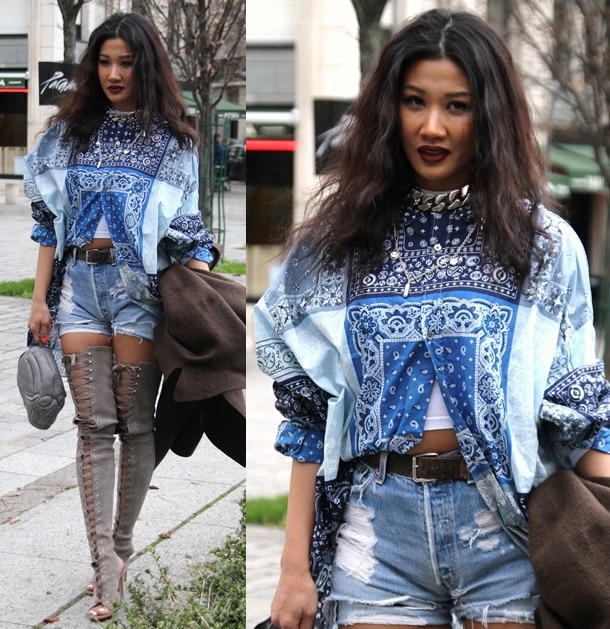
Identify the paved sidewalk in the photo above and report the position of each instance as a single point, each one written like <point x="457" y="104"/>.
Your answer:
<point x="268" y="476"/>
<point x="44" y="558"/>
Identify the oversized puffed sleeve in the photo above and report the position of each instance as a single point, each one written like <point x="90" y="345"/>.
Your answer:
<point x="186" y="236"/>
<point x="575" y="412"/>
<point x="44" y="183"/>
<point x="302" y="403"/>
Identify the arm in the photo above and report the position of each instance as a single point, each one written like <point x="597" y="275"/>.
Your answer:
<point x="186" y="238"/>
<point x="40" y="319"/>
<point x="197" y="265"/>
<point x="575" y="411"/>
<point x="295" y="602"/>
<point x="594" y="464"/>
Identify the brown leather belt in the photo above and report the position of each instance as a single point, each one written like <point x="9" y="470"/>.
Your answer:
<point x="95" y="256"/>
<point x="422" y="467"/>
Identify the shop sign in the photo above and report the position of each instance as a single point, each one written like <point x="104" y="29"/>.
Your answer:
<point x="11" y="82"/>
<point x="55" y="79"/>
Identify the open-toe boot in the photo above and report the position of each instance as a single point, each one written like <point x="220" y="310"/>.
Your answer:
<point x="136" y="389"/>
<point x="91" y="384"/>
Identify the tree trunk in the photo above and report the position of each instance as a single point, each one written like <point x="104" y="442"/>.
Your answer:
<point x="369" y="13"/>
<point x="69" y="42"/>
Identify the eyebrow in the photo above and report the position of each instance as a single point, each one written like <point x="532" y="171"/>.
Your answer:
<point x="448" y="95"/>
<point x="121" y="57"/>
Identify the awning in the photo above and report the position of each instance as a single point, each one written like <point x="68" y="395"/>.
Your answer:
<point x="574" y="166"/>
<point x="224" y="108"/>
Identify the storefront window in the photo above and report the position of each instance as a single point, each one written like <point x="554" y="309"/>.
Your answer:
<point x="13" y="131"/>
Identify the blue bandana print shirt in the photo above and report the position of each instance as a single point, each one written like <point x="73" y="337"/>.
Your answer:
<point x="144" y="185"/>
<point x="354" y="361"/>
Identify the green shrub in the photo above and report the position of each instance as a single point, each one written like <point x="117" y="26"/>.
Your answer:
<point x="215" y="597"/>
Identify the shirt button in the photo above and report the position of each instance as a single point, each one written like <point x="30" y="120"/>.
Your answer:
<point x="438" y="247"/>
<point x="429" y="335"/>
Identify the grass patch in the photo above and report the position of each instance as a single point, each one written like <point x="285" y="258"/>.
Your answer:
<point x="267" y="510"/>
<point x="18" y="288"/>
<point x="231" y="267"/>
<point x="25" y="288"/>
<point x="215" y="597"/>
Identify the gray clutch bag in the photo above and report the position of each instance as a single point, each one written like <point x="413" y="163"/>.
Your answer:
<point x="41" y="386"/>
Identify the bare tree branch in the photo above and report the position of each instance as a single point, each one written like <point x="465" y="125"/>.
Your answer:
<point x="206" y="43"/>
<point x="579" y="64"/>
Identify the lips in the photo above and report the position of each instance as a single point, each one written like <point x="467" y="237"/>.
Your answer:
<point x="432" y="154"/>
<point x="115" y="89"/>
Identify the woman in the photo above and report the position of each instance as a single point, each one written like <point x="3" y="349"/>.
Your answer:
<point x="432" y="345"/>
<point x="114" y="190"/>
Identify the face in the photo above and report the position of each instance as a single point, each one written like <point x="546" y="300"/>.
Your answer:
<point x="115" y="72"/>
<point x="435" y="112"/>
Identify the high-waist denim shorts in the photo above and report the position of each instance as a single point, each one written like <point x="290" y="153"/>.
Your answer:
<point x="412" y="553"/>
<point x="94" y="299"/>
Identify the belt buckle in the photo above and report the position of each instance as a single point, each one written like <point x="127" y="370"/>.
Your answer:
<point x="96" y="252"/>
<point x="414" y="475"/>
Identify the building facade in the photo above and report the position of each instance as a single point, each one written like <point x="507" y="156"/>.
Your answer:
<point x="31" y="33"/>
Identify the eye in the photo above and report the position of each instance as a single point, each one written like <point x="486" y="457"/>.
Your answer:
<point x="103" y="62"/>
<point x="412" y="101"/>
<point x="460" y="106"/>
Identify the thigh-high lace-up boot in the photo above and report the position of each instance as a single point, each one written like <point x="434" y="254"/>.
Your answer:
<point x="91" y="384"/>
<point x="136" y="389"/>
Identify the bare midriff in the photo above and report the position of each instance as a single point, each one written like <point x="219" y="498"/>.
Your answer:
<point x="439" y="441"/>
<point x="99" y="243"/>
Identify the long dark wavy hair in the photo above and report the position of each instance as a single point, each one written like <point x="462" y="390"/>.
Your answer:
<point x="158" y="95"/>
<point x="364" y="187"/>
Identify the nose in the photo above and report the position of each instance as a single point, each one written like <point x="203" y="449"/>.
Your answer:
<point x="114" y="73"/>
<point x="433" y="124"/>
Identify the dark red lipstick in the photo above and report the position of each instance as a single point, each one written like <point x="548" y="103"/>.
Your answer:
<point x="432" y="154"/>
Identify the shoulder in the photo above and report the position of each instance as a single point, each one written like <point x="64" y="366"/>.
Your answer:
<point x="54" y="134"/>
<point x="52" y="149"/>
<point x="180" y="156"/>
<point x="559" y="233"/>
<point x="305" y="284"/>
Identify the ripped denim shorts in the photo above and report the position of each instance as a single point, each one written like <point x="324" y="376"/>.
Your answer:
<point x="426" y="554"/>
<point x="93" y="299"/>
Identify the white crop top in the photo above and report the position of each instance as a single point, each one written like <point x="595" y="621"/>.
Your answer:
<point x="101" y="231"/>
<point x="437" y="417"/>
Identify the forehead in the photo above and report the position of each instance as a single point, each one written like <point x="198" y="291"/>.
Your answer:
<point x="439" y="73"/>
<point x="115" y="47"/>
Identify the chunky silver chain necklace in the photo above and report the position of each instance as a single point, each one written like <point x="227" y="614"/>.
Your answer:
<point x="431" y="202"/>
<point x="428" y="202"/>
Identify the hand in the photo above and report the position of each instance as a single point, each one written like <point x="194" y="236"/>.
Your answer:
<point x="295" y="602"/>
<point x="40" y="322"/>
